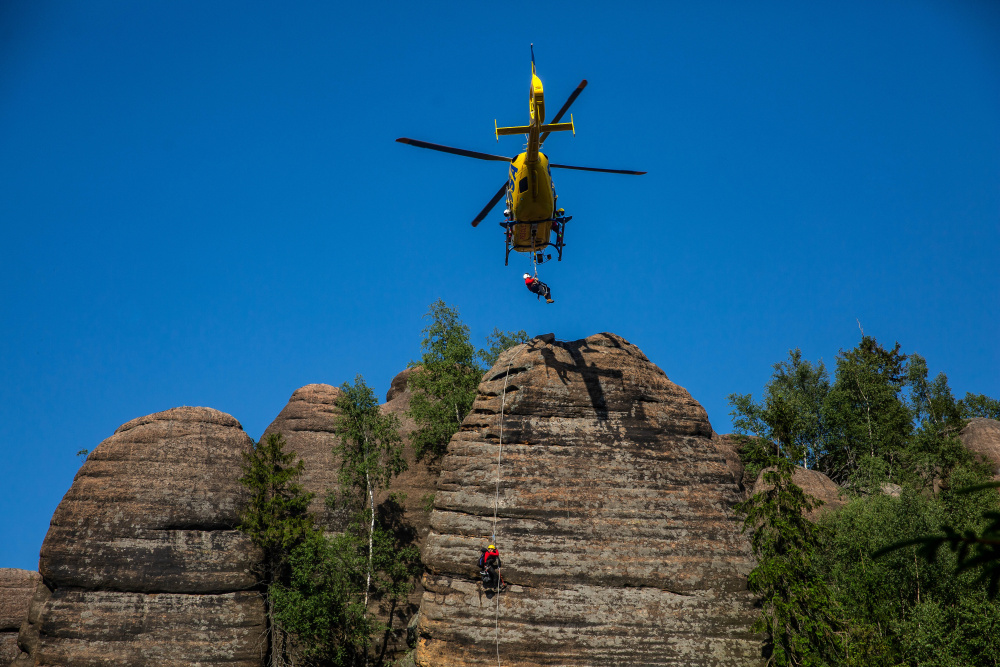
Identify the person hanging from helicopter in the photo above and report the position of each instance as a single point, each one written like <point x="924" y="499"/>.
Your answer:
<point x="489" y="563"/>
<point x="536" y="286"/>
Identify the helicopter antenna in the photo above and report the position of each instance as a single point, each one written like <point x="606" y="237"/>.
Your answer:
<point x="532" y="57"/>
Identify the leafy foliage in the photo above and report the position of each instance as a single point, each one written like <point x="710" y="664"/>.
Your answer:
<point x="444" y="387"/>
<point x="975" y="547"/>
<point x="275" y="516"/>
<point x="902" y="608"/>
<point x="276" y="519"/>
<point x="319" y="587"/>
<point x="979" y="405"/>
<point x="797" y="613"/>
<point x="790" y="417"/>
<point x="497" y="343"/>
<point x="371" y="449"/>
<point x="873" y="584"/>
<point x="864" y="413"/>
<point x="323" y="604"/>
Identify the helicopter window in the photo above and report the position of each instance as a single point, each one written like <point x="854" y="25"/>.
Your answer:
<point x="522" y="185"/>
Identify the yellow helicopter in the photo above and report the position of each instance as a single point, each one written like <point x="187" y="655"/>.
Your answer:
<point x="531" y="216"/>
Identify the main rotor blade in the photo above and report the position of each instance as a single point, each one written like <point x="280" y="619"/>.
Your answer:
<point x="455" y="151"/>
<point x="489" y="207"/>
<point x="606" y="171"/>
<point x="565" y="108"/>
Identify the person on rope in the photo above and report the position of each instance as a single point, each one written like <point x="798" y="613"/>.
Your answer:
<point x="538" y="287"/>
<point x="489" y="563"/>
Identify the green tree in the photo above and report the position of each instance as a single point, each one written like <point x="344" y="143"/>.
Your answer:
<point x="902" y="608"/>
<point x="445" y="386"/>
<point x="326" y="602"/>
<point x="370" y="449"/>
<point x="497" y="343"/>
<point x="276" y="519"/>
<point x="933" y="450"/>
<point x="979" y="405"/>
<point x="323" y="604"/>
<point x="789" y="418"/>
<point x="866" y="419"/>
<point x="798" y="614"/>
<point x="885" y="581"/>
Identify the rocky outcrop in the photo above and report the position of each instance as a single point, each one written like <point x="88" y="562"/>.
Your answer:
<point x="306" y="422"/>
<point x="815" y="484"/>
<point x="16" y="589"/>
<point x="614" y="520"/>
<point x="982" y="437"/>
<point x="417" y="484"/>
<point x="142" y="564"/>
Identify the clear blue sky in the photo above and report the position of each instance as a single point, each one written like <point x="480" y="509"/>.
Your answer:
<point x="202" y="202"/>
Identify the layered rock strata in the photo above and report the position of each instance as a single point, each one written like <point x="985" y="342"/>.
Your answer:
<point x="614" y="520"/>
<point x="142" y="564"/>
<point x="16" y="589"/>
<point x="307" y="423"/>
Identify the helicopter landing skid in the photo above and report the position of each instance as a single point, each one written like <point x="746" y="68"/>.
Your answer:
<point x="508" y="226"/>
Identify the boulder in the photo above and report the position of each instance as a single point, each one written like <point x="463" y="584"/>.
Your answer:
<point x="614" y="519"/>
<point x="16" y="589"/>
<point x="815" y="484"/>
<point x="982" y="437"/>
<point x="142" y="563"/>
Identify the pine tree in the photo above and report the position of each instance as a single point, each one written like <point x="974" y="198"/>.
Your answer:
<point x="798" y="613"/>
<point x="276" y="519"/>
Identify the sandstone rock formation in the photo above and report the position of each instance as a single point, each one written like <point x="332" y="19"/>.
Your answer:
<point x="307" y="425"/>
<point x="142" y="564"/>
<point x="16" y="589"/>
<point x="815" y="484"/>
<point x="728" y="449"/>
<point x="982" y="436"/>
<point x="614" y="520"/>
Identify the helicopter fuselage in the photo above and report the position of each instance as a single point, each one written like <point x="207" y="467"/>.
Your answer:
<point x="531" y="199"/>
<point x="531" y="202"/>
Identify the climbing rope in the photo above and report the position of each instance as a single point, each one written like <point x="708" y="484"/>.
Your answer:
<point x="534" y="261"/>
<point x="496" y="499"/>
<point x="503" y="404"/>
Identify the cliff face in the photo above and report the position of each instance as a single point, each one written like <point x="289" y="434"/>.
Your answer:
<point x="614" y="520"/>
<point x="142" y="564"/>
